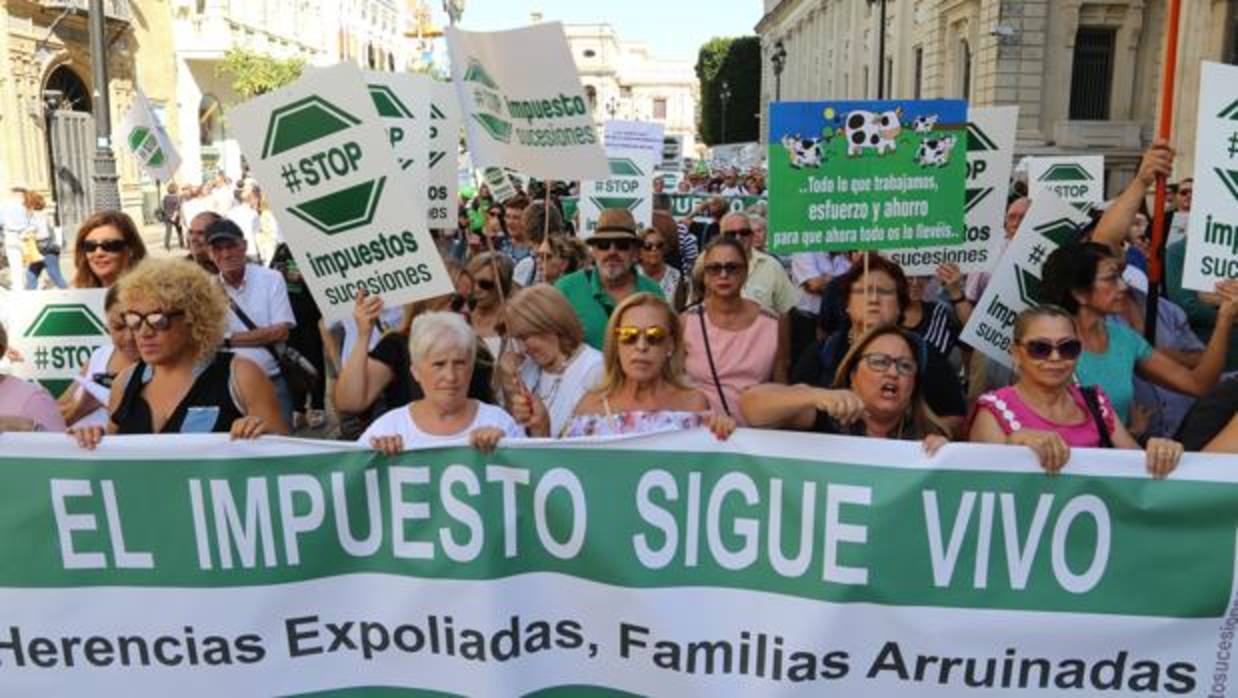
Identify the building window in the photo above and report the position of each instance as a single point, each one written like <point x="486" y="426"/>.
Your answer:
<point x="867" y="85"/>
<point x="590" y="53"/>
<point x="918" y="80"/>
<point x="1231" y="38"/>
<point x="1091" y="77"/>
<point x="889" y="92"/>
<point x="591" y="93"/>
<point x="659" y="108"/>
<point x="965" y="69"/>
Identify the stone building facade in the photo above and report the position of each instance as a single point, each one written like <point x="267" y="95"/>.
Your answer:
<point x="1085" y="73"/>
<point x="624" y="81"/>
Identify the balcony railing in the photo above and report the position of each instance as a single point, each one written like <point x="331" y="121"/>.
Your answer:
<point x="116" y="10"/>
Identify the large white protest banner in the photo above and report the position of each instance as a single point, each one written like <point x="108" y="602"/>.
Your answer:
<point x="1212" y="238"/>
<point x="668" y="565"/>
<point x="55" y="332"/>
<point x="444" y="161"/>
<point x="990" y="156"/>
<point x="629" y="186"/>
<point x="1015" y="284"/>
<point x="523" y="104"/>
<point x="146" y="137"/>
<point x="1077" y="179"/>
<point x="637" y="135"/>
<point x="324" y="156"/>
<point x="403" y="104"/>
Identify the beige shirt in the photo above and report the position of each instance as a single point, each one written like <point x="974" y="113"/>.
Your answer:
<point x="769" y="284"/>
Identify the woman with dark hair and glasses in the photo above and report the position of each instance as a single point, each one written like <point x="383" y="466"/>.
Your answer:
<point x="492" y="286"/>
<point x="1085" y="279"/>
<point x="877" y="391"/>
<point x="182" y="382"/>
<point x="1045" y="410"/>
<point x="107" y="245"/>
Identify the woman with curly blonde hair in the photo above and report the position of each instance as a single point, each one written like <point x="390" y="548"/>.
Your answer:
<point x="182" y="382"/>
<point x="644" y="388"/>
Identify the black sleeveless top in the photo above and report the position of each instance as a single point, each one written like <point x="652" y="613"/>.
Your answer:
<point x="208" y="407"/>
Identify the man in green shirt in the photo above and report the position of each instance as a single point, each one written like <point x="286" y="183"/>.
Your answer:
<point x="594" y="293"/>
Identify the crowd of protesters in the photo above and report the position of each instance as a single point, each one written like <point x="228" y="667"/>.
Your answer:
<point x="687" y="322"/>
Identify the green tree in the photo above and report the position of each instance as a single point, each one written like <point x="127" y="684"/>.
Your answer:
<point x="737" y="62"/>
<point x="253" y="73"/>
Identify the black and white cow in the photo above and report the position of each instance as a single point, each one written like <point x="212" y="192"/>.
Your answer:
<point x="866" y="129"/>
<point x="804" y="152"/>
<point x="935" y="152"/>
<point x="924" y="123"/>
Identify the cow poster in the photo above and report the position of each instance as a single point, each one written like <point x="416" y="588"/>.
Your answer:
<point x="866" y="175"/>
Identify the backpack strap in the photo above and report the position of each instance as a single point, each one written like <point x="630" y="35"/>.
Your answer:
<point x="1093" y="403"/>
<point x="709" y="354"/>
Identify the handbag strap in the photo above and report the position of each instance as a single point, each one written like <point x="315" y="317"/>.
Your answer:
<point x="1093" y="403"/>
<point x="709" y="354"/>
<point x="250" y="324"/>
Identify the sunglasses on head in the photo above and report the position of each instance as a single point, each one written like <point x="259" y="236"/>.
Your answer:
<point x="1041" y="349"/>
<point x="158" y="320"/>
<point x="723" y="268"/>
<point x="605" y="245"/>
<point x="109" y="246"/>
<point x="629" y="335"/>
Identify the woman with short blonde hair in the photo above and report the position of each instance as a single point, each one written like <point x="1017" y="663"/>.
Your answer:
<point x="182" y="383"/>
<point x="548" y="366"/>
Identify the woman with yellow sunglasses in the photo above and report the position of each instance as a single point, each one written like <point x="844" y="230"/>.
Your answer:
<point x="644" y="388"/>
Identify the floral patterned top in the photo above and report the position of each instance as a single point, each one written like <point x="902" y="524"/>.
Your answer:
<point x="1013" y="414"/>
<point x="633" y="422"/>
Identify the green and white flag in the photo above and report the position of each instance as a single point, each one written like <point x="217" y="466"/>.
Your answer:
<point x="776" y="564"/>
<point x="325" y="157"/>
<point x="1212" y="239"/>
<point x="56" y="331"/>
<point x="522" y="103"/>
<point x="1015" y="284"/>
<point x="144" y="135"/>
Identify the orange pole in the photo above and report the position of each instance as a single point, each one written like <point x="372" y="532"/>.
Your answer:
<point x="1164" y="127"/>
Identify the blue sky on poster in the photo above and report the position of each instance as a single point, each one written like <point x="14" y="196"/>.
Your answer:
<point x="671" y="28"/>
<point x="807" y="119"/>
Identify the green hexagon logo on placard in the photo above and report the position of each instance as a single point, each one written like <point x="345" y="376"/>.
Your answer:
<point x="1230" y="112"/>
<point x="1029" y="286"/>
<point x="977" y="140"/>
<point x="344" y="210"/>
<point x="624" y="202"/>
<point x="304" y="121"/>
<point x="388" y="104"/>
<point x="1066" y="172"/>
<point x="1230" y="179"/>
<point x="625" y="167"/>
<point x="65" y="320"/>
<point x="973" y="197"/>
<point x="1060" y="231"/>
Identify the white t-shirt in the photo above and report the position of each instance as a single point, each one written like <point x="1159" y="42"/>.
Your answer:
<point x="399" y="422"/>
<point x="561" y="393"/>
<point x="263" y="296"/>
<point x="99" y="359"/>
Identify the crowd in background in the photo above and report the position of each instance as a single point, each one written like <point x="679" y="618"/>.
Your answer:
<point x="686" y="322"/>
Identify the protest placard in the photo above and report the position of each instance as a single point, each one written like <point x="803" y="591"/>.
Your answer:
<point x="672" y="153"/>
<point x="443" y="176"/>
<point x="1078" y="179"/>
<point x="1212" y="237"/>
<point x="630" y="187"/>
<point x="670" y="565"/>
<point x="56" y="332"/>
<point x="866" y="175"/>
<point x="147" y="139"/>
<point x="637" y="135"/>
<point x="403" y="103"/>
<point x="990" y="154"/>
<point x="1015" y="284"/>
<point x="325" y="158"/>
<point x="500" y="184"/>
<point x="523" y="104"/>
<point x="682" y="205"/>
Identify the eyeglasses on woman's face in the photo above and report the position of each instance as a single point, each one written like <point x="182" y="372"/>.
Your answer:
<point x="157" y="320"/>
<point x="1041" y="349"/>
<point x="113" y="246"/>
<point x="629" y="335"/>
<point x="881" y="363"/>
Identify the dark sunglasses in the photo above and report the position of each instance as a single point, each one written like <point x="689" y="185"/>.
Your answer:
<point x="605" y="245"/>
<point x="103" y="379"/>
<point x="1041" y="349"/>
<point x="484" y="284"/>
<point x="721" y="268"/>
<point x="109" y="246"/>
<point x="739" y="232"/>
<point x="158" y="320"/>
<point x="653" y="246"/>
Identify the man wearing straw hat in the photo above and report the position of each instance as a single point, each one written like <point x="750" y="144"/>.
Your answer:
<point x="594" y="293"/>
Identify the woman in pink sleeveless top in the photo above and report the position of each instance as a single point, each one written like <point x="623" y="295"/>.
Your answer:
<point x="1046" y="411"/>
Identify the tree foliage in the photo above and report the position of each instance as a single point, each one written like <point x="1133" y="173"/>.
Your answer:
<point x="737" y="62"/>
<point x="253" y="73"/>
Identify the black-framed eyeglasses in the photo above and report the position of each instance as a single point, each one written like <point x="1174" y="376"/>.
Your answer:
<point x="653" y="246"/>
<point x="604" y="245"/>
<point x="109" y="246"/>
<point x="883" y="362"/>
<point x="158" y="320"/>
<point x="1041" y="349"/>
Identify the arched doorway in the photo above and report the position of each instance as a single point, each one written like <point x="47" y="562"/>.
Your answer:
<point x="70" y="138"/>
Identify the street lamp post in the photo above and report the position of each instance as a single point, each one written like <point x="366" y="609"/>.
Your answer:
<point x="107" y="189"/>
<point x="724" y="94"/>
<point x="881" y="49"/>
<point x="779" y="59"/>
